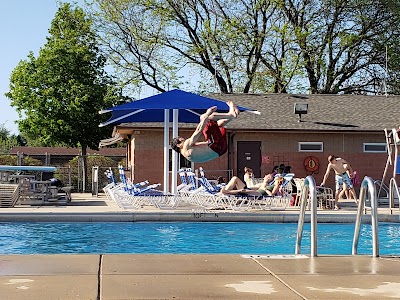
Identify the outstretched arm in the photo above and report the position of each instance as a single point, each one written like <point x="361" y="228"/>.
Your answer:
<point x="197" y="133"/>
<point x="328" y="169"/>
<point x="199" y="130"/>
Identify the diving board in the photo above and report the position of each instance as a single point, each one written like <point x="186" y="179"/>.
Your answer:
<point x="28" y="168"/>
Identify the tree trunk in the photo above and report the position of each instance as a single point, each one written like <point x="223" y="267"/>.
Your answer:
<point x="84" y="168"/>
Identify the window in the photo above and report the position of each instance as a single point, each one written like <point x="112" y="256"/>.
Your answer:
<point x="183" y="162"/>
<point x="375" y="147"/>
<point x="311" y="146"/>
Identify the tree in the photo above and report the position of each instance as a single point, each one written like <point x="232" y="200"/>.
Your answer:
<point x="232" y="43"/>
<point x="7" y="140"/>
<point x="392" y="51"/>
<point x="4" y="132"/>
<point x="321" y="46"/>
<point x="59" y="93"/>
<point x="339" y="42"/>
<point x="100" y="161"/>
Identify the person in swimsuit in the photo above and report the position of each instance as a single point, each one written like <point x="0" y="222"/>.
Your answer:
<point x="211" y="126"/>
<point x="236" y="186"/>
<point x="343" y="173"/>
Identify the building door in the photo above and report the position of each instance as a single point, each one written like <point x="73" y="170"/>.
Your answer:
<point x="248" y="155"/>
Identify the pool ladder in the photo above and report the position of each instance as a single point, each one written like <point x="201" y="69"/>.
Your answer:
<point x="310" y="191"/>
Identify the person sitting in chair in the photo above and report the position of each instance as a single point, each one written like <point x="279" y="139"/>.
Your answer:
<point x="267" y="189"/>
<point x="212" y="127"/>
<point x="236" y="186"/>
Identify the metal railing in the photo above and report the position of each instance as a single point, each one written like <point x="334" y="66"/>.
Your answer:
<point x="367" y="185"/>
<point x="309" y="191"/>
<point x="393" y="192"/>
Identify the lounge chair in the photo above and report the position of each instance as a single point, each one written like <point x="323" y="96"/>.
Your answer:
<point x="282" y="198"/>
<point x="325" y="195"/>
<point x="208" y="185"/>
<point x="219" y="200"/>
<point x="126" y="194"/>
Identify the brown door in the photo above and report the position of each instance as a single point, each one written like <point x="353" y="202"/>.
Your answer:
<point x="248" y="155"/>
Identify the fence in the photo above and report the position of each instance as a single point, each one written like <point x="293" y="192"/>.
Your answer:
<point x="70" y="168"/>
<point x="71" y="174"/>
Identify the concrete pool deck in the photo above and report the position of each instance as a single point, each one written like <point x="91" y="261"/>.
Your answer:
<point x="123" y="277"/>
<point x="86" y="208"/>
<point x="148" y="276"/>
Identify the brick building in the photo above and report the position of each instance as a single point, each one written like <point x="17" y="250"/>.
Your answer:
<point x="349" y="126"/>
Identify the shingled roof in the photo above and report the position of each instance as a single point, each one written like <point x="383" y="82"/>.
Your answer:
<point x="325" y="112"/>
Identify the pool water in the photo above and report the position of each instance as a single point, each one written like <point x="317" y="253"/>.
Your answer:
<point x="185" y="237"/>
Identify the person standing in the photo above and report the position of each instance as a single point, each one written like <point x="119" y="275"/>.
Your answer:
<point x="342" y="170"/>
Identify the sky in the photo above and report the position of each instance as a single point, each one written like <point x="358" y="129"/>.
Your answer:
<point x="24" y="27"/>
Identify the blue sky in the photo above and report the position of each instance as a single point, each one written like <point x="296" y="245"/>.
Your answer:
<point x="24" y="26"/>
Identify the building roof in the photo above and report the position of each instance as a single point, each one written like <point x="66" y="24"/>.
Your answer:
<point x="61" y="151"/>
<point x="325" y="112"/>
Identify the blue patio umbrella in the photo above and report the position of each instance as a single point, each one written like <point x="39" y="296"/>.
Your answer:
<point x="151" y="109"/>
<point x="178" y="105"/>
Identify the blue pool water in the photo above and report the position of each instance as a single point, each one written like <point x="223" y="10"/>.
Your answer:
<point x="181" y="237"/>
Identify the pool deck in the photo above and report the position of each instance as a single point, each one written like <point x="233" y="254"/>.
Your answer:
<point x="148" y="276"/>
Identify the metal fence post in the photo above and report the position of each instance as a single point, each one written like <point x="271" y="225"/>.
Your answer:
<point x="95" y="181"/>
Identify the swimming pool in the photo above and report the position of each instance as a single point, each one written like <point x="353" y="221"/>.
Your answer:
<point x="185" y="237"/>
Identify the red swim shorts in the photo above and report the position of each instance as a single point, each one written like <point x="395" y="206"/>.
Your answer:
<point x="216" y="137"/>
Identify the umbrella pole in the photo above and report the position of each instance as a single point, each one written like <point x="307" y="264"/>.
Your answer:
<point x="166" y="150"/>
<point x="175" y="118"/>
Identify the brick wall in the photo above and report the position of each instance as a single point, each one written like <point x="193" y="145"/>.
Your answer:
<point x="148" y="153"/>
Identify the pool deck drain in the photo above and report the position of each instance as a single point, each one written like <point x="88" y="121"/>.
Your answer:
<point x="166" y="276"/>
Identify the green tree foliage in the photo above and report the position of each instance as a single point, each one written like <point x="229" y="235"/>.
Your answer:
<point x="59" y="93"/>
<point x="320" y="46"/>
<point x="11" y="160"/>
<point x="7" y="140"/>
<point x="7" y="144"/>
<point x="4" y="132"/>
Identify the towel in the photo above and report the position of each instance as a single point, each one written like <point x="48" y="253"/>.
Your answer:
<point x="355" y="181"/>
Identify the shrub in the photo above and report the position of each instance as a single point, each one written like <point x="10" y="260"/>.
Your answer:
<point x="92" y="160"/>
<point x="11" y="160"/>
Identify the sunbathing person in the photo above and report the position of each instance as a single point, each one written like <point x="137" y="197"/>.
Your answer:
<point x="211" y="126"/>
<point x="251" y="182"/>
<point x="268" y="189"/>
<point x="236" y="186"/>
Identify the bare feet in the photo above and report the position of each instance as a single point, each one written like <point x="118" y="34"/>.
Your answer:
<point x="233" y="110"/>
<point x="208" y="113"/>
<point x="211" y="110"/>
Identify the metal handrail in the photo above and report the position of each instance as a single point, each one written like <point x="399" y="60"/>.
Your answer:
<point x="309" y="191"/>
<point x="393" y="189"/>
<point x="382" y="187"/>
<point x="367" y="184"/>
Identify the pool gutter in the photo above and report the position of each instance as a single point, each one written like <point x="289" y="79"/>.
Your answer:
<point x="126" y="216"/>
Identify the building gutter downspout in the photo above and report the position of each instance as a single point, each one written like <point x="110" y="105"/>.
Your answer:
<point x="231" y="136"/>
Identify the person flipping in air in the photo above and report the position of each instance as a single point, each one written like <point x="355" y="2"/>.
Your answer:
<point x="211" y="126"/>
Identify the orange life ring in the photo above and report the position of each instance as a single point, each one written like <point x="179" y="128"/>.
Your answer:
<point x="311" y="164"/>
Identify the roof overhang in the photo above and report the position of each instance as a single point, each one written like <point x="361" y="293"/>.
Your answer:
<point x="108" y="142"/>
